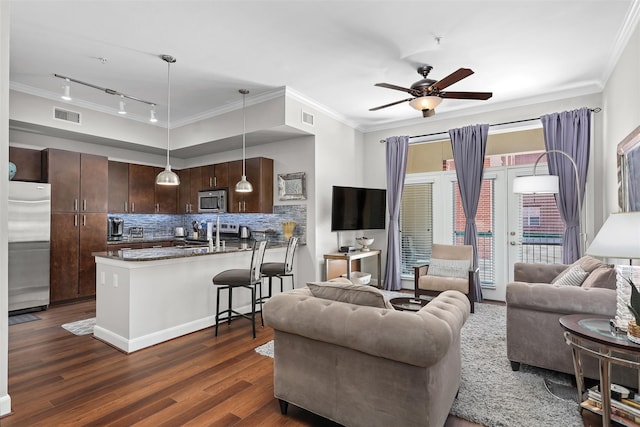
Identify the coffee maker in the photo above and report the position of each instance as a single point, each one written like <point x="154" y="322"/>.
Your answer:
<point x="115" y="228"/>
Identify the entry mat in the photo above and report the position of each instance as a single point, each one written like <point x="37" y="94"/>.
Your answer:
<point x="22" y="318"/>
<point x="81" y="327"/>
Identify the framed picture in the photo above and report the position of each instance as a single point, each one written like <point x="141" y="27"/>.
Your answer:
<point x="292" y="186"/>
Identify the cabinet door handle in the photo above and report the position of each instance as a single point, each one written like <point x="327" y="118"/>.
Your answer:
<point x="84" y="220"/>
<point x="239" y="207"/>
<point x="75" y="204"/>
<point x="244" y="206"/>
<point x="75" y="220"/>
<point x="210" y="182"/>
<point x="133" y="207"/>
<point x="215" y="181"/>
<point x="186" y="207"/>
<point x="84" y="204"/>
<point x="157" y="207"/>
<point x="125" y="206"/>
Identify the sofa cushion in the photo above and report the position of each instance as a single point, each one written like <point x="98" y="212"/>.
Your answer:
<point x="602" y="277"/>
<point x="588" y="263"/>
<point x="448" y="268"/>
<point x="572" y="276"/>
<point x="350" y="293"/>
<point x="439" y="284"/>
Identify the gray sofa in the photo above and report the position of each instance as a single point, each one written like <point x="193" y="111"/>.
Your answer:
<point x="367" y="366"/>
<point x="534" y="307"/>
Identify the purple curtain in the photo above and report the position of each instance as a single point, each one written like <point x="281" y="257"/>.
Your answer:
<point x="569" y="132"/>
<point x="396" y="159"/>
<point x="469" y="145"/>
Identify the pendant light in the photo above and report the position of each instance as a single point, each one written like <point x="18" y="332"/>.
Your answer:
<point x="167" y="176"/>
<point x="244" y="186"/>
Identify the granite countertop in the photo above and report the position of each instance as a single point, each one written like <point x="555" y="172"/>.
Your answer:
<point x="154" y="254"/>
<point x="126" y="240"/>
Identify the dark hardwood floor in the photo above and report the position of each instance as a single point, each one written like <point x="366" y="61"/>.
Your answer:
<point x="57" y="378"/>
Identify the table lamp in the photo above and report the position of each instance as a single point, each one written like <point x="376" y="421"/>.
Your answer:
<point x="619" y="238"/>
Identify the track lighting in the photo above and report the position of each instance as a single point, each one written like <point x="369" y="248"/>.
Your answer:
<point x="152" y="117"/>
<point x="122" y="110"/>
<point x="67" y="92"/>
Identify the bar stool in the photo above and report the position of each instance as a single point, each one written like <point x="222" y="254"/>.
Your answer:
<point x="281" y="269"/>
<point x="241" y="278"/>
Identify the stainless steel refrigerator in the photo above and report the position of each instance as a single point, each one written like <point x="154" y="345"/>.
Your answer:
<point x="29" y="215"/>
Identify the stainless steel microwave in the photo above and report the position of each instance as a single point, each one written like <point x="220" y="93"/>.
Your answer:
<point x="212" y="201"/>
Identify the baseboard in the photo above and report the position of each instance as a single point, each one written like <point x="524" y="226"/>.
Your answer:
<point x="5" y="405"/>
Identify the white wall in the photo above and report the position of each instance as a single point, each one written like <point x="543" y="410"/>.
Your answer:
<point x="5" y="399"/>
<point x="621" y="101"/>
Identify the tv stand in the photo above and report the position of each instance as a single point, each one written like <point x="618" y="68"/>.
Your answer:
<point x="351" y="256"/>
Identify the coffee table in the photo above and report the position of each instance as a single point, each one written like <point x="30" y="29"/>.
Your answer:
<point x="591" y="334"/>
<point x="409" y="303"/>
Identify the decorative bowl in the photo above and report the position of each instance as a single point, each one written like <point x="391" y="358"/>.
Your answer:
<point x="365" y="242"/>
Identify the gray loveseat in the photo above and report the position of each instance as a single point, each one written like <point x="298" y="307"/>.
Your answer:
<point x="367" y="366"/>
<point x="534" y="307"/>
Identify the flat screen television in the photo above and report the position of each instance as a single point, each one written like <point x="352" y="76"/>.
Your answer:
<point x="354" y="208"/>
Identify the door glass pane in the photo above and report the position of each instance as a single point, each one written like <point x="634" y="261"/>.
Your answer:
<point x="541" y="228"/>
<point x="416" y="225"/>
<point x="485" y="217"/>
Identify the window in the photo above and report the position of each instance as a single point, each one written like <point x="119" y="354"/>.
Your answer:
<point x="416" y="225"/>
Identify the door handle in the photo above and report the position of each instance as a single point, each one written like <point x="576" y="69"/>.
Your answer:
<point x="75" y="220"/>
<point x="514" y="243"/>
<point x="84" y="220"/>
<point x="75" y="204"/>
<point x="84" y="204"/>
<point x="133" y="207"/>
<point x="125" y="206"/>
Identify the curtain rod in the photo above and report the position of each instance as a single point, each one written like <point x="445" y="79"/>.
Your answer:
<point x="593" y="110"/>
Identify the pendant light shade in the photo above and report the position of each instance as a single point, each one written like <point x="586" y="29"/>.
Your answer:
<point x="167" y="176"/>
<point x="244" y="186"/>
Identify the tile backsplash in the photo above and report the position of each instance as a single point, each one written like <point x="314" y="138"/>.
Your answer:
<point x="157" y="226"/>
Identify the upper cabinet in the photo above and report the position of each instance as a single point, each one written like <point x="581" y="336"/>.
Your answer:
<point x="259" y="172"/>
<point x="28" y="164"/>
<point x="190" y="184"/>
<point x="142" y="182"/>
<point x="166" y="196"/>
<point x="118" y="187"/>
<point x="215" y="176"/>
<point x="78" y="181"/>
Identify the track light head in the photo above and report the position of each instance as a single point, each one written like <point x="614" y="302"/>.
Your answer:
<point x="67" y="92"/>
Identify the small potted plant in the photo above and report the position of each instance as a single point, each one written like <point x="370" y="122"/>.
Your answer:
<point x="633" y="332"/>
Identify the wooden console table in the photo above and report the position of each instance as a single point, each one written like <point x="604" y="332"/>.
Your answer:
<point x="353" y="255"/>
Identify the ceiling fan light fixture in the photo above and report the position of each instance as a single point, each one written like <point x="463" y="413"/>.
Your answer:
<point x="428" y="102"/>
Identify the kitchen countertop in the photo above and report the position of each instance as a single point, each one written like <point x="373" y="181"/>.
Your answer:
<point x="153" y="254"/>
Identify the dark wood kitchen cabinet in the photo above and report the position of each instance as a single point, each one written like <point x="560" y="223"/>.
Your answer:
<point x="79" y="200"/>
<point x="142" y="182"/>
<point x="118" y="187"/>
<point x="78" y="181"/>
<point x="215" y="176"/>
<point x="165" y="196"/>
<point x="259" y="172"/>
<point x="28" y="164"/>
<point x="190" y="185"/>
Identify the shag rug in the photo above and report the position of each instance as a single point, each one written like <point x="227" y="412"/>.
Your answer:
<point x="491" y="393"/>
<point x="81" y="327"/>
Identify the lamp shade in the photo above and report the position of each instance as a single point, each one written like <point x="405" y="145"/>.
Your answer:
<point x="425" y="102"/>
<point x="619" y="237"/>
<point x="167" y="177"/>
<point x="244" y="186"/>
<point x="536" y="184"/>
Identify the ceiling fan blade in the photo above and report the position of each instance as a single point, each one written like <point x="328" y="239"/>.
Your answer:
<point x="390" y="86"/>
<point x="452" y="78"/>
<point x="466" y="95"/>
<point x="389" y="105"/>
<point x="428" y="113"/>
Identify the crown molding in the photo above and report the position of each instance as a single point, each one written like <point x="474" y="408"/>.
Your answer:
<point x="626" y="31"/>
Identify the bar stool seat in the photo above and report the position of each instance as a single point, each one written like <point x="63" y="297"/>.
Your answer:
<point x="280" y="270"/>
<point x="250" y="279"/>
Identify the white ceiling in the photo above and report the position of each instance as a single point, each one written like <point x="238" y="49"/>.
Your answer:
<point x="329" y="52"/>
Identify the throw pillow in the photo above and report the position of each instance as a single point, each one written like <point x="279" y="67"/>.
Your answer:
<point x="588" y="263"/>
<point x="602" y="277"/>
<point x="573" y="276"/>
<point x="448" y="268"/>
<point x="350" y="293"/>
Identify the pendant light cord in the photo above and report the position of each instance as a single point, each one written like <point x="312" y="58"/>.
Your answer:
<point x="168" y="106"/>
<point x="244" y="122"/>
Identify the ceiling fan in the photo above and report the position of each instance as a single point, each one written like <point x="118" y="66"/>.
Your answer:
<point x="427" y="93"/>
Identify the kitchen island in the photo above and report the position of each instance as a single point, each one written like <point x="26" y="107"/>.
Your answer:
<point x="148" y="296"/>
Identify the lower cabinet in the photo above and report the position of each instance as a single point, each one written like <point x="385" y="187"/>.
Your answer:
<point x="74" y="237"/>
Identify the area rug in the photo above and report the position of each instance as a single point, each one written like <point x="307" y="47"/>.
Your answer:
<point x="81" y="327"/>
<point x="22" y="318"/>
<point x="491" y="393"/>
